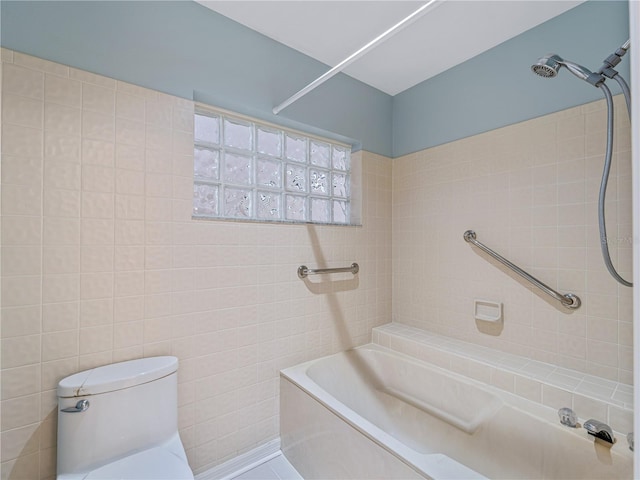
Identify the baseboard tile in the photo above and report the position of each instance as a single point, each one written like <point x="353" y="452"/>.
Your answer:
<point x="242" y="463"/>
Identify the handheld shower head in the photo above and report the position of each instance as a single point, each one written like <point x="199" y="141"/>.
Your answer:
<point x="549" y="65"/>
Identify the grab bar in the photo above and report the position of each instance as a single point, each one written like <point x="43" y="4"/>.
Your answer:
<point x="569" y="300"/>
<point x="303" y="271"/>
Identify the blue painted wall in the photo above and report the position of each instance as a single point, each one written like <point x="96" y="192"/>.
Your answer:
<point x="185" y="49"/>
<point x="497" y="88"/>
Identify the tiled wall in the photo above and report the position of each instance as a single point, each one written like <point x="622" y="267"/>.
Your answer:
<point x="530" y="192"/>
<point x="101" y="262"/>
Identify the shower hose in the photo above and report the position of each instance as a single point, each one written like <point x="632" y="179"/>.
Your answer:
<point x="605" y="175"/>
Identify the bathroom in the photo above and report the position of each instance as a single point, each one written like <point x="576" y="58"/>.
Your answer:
<point x="103" y="262"/>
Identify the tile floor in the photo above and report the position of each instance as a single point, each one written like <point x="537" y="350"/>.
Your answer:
<point x="277" y="468"/>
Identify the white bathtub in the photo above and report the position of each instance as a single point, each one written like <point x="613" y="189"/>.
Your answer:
<point x="374" y="413"/>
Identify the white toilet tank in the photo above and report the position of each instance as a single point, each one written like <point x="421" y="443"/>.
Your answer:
<point x="119" y="417"/>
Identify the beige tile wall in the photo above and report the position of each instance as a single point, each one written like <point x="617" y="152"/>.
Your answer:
<point x="529" y="191"/>
<point x="101" y="262"/>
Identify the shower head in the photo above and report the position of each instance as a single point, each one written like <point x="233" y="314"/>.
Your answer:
<point x="549" y="65"/>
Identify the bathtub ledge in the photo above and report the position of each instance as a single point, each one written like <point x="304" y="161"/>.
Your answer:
<point x="543" y="383"/>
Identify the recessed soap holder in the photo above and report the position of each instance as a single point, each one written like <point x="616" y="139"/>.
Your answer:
<point x="488" y="311"/>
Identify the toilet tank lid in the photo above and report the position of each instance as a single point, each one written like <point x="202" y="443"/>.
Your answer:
<point x="116" y="376"/>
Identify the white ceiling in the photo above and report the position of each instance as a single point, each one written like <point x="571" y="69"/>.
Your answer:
<point x="451" y="33"/>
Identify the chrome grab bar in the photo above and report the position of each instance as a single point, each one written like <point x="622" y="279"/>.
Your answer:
<point x="569" y="300"/>
<point x="303" y="271"/>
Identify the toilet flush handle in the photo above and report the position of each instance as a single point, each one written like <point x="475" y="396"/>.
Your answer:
<point x="81" y="406"/>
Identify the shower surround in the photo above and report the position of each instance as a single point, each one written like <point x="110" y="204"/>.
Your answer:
<point x="530" y="192"/>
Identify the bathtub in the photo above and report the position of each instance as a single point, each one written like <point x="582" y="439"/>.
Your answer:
<point x="374" y="413"/>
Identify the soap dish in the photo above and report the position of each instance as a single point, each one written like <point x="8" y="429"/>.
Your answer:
<point x="488" y="311"/>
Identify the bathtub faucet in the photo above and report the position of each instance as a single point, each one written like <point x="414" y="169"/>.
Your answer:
<point x="600" y="430"/>
<point x="568" y="417"/>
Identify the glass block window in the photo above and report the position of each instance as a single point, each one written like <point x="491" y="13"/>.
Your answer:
<point x="250" y="171"/>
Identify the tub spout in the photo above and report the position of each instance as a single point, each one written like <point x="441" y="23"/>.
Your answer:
<point x="600" y="430"/>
